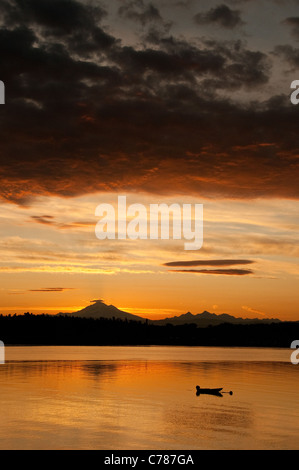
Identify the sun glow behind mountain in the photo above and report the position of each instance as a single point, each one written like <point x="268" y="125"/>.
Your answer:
<point x="179" y="103"/>
<point x="55" y="263"/>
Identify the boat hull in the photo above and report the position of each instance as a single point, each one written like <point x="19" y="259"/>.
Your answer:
<point x="208" y="391"/>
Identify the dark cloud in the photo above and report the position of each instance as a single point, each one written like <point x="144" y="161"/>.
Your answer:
<point x="86" y="113"/>
<point x="220" y="272"/>
<point x="183" y="61"/>
<point x="58" y="17"/>
<point x="49" y="220"/>
<point x="44" y="219"/>
<point x="293" y="22"/>
<point x="183" y="4"/>
<point x="51" y="289"/>
<point x="136" y="10"/>
<point x="222" y="262"/>
<point x="72" y="23"/>
<point x="289" y="54"/>
<point x="242" y="66"/>
<point x="221" y="15"/>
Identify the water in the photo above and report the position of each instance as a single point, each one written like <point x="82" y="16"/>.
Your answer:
<point x="123" y="398"/>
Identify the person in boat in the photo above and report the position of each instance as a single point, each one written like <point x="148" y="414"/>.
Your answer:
<point x="208" y="391"/>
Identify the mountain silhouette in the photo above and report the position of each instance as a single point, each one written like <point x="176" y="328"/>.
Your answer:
<point x="205" y="319"/>
<point x="99" y="309"/>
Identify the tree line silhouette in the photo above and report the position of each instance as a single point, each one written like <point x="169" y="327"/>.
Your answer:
<point x="30" y="329"/>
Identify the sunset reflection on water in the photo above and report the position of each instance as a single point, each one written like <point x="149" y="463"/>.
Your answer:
<point x="148" y="404"/>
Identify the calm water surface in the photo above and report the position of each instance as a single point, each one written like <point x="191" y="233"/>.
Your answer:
<point x="144" y="398"/>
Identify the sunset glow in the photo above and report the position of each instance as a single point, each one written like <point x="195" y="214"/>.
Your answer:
<point x="163" y="105"/>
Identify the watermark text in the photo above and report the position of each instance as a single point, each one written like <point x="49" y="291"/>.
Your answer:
<point x="2" y="92"/>
<point x="295" y="354"/>
<point x="2" y="353"/>
<point x="295" y="94"/>
<point x="160" y="221"/>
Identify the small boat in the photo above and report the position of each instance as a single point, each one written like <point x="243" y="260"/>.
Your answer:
<point x="208" y="391"/>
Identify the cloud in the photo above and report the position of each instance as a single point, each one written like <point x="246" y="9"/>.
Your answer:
<point x="58" y="17"/>
<point x="225" y="272"/>
<point x="293" y="22"/>
<point x="51" y="289"/>
<point x="136" y="10"/>
<point x="289" y="54"/>
<point x="43" y="219"/>
<point x="221" y="15"/>
<point x="176" y="264"/>
<point x="252" y="310"/>
<point x="86" y="113"/>
<point x="50" y="220"/>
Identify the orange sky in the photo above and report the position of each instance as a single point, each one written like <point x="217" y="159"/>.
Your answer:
<point x="51" y="260"/>
<point x="165" y="102"/>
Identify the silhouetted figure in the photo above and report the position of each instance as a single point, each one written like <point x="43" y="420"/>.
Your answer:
<point x="208" y="391"/>
<point x="217" y="392"/>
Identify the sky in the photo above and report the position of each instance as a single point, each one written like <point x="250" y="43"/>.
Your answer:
<point x="169" y="101"/>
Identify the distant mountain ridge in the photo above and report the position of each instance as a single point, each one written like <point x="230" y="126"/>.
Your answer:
<point x="206" y="318"/>
<point x="99" y="309"/>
